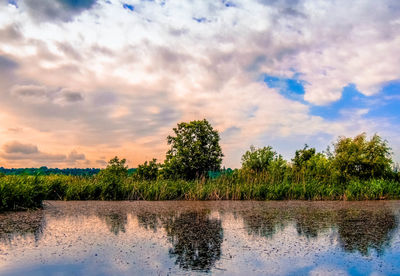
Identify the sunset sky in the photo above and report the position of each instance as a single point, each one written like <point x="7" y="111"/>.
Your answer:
<point x="83" y="81"/>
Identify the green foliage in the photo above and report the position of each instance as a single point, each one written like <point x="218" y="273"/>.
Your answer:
<point x="20" y="192"/>
<point x="357" y="169"/>
<point x="303" y="156"/>
<point x="194" y="151"/>
<point x="111" y="179"/>
<point x="358" y="158"/>
<point x="258" y="160"/>
<point x="148" y="170"/>
<point x="49" y="171"/>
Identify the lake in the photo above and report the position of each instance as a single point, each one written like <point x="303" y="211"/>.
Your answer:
<point x="202" y="237"/>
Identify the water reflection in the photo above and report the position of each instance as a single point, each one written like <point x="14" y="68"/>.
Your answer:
<point x="358" y="230"/>
<point x="196" y="240"/>
<point x="180" y="237"/>
<point x="115" y="221"/>
<point x="264" y="223"/>
<point x="149" y="221"/>
<point x="310" y="222"/>
<point x="14" y="224"/>
<point x="363" y="230"/>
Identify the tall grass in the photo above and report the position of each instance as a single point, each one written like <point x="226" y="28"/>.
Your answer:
<point x="19" y="192"/>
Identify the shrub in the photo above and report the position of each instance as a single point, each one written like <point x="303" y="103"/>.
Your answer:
<point x="148" y="170"/>
<point x="111" y="179"/>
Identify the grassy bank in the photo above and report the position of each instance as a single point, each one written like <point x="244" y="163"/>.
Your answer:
<point x="19" y="192"/>
<point x="355" y="169"/>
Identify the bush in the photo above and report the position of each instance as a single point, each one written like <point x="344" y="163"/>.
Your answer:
<point x="358" y="158"/>
<point x="111" y="179"/>
<point x="148" y="171"/>
<point x="258" y="160"/>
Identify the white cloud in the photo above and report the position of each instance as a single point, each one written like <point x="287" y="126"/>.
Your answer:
<point x="103" y="76"/>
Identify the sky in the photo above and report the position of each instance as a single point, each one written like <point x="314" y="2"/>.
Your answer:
<point x="84" y="80"/>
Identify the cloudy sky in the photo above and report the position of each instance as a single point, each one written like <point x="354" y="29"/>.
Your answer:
<point x="83" y="80"/>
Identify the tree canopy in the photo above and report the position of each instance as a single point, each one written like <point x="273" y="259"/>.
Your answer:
<point x="258" y="160"/>
<point x="148" y="170"/>
<point x="194" y="151"/>
<point x="362" y="158"/>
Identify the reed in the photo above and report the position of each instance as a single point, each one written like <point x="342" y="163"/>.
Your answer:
<point x="20" y="192"/>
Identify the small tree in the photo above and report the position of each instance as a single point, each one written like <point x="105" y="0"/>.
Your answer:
<point x="111" y="178"/>
<point x="258" y="160"/>
<point x="359" y="158"/>
<point x="302" y="156"/>
<point x="148" y="170"/>
<point x="194" y="151"/>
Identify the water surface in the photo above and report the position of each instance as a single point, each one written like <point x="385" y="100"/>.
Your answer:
<point x="213" y="237"/>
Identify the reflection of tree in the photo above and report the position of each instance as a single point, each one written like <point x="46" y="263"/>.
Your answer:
<point x="310" y="222"/>
<point x="196" y="240"/>
<point x="148" y="221"/>
<point x="263" y="223"/>
<point x="22" y="223"/>
<point x="361" y="230"/>
<point x="115" y="221"/>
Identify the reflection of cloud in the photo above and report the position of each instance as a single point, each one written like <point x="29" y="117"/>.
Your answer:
<point x="327" y="271"/>
<point x="151" y="236"/>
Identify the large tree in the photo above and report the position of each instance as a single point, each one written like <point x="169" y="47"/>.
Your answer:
<point x="194" y="151"/>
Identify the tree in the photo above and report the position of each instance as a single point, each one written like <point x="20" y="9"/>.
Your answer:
<point x="359" y="158"/>
<point x="258" y="160"/>
<point x="111" y="178"/>
<point x="302" y="156"/>
<point x="148" y="170"/>
<point x="194" y="151"/>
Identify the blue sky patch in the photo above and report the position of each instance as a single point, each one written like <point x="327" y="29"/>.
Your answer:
<point x="128" y="7"/>
<point x="385" y="104"/>
<point x="351" y="99"/>
<point x="78" y="4"/>
<point x="199" y="19"/>
<point x="13" y="2"/>
<point x="228" y="3"/>
<point x="290" y="88"/>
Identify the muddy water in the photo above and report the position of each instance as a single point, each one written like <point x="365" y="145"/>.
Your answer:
<point x="231" y="238"/>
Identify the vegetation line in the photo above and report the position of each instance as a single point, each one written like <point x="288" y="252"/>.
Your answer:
<point x="355" y="169"/>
